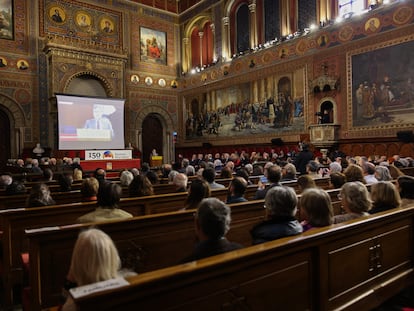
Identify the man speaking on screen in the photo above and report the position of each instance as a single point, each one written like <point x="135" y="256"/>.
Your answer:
<point x="99" y="121"/>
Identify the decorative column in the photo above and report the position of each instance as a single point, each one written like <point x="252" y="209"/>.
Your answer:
<point x="213" y="32"/>
<point x="255" y="92"/>
<point x="226" y="38"/>
<point x="186" y="55"/>
<point x="201" y="34"/>
<point x="253" y="24"/>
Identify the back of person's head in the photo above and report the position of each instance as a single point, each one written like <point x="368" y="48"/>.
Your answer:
<point x="77" y="174"/>
<point x="313" y="167"/>
<point x="47" y="174"/>
<point x="16" y="187"/>
<point x="289" y="170"/>
<point x="5" y="180"/>
<point x="406" y="185"/>
<point x="306" y="182"/>
<point x="152" y="177"/>
<point x="385" y="194"/>
<point x="337" y="179"/>
<point x="65" y="182"/>
<point x="274" y="174"/>
<point x="145" y="167"/>
<point x="281" y="201"/>
<point x="40" y="196"/>
<point x="100" y="174"/>
<point x="226" y="172"/>
<point x="382" y="173"/>
<point x="198" y="190"/>
<point x="356" y="194"/>
<point x="171" y="176"/>
<point x="239" y="185"/>
<point x="209" y="174"/>
<point x="213" y="218"/>
<point x="190" y="170"/>
<point x="94" y="258"/>
<point x="126" y="178"/>
<point x="317" y="207"/>
<point x="135" y="171"/>
<point x="89" y="187"/>
<point x="249" y="168"/>
<point x="354" y="173"/>
<point x="243" y="173"/>
<point x="140" y="186"/>
<point x="335" y="167"/>
<point x="368" y="168"/>
<point x="180" y="180"/>
<point x="109" y="195"/>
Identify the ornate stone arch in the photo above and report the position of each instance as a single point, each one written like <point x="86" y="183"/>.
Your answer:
<point x="334" y="108"/>
<point x="167" y="128"/>
<point x="106" y="84"/>
<point x="17" y="119"/>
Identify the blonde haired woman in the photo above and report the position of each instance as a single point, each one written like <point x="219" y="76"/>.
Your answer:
<point x="94" y="259"/>
<point x="355" y="201"/>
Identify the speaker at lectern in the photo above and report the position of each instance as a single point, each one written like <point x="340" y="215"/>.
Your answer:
<point x="155" y="161"/>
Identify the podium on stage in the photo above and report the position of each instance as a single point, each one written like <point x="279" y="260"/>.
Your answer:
<point x="155" y="161"/>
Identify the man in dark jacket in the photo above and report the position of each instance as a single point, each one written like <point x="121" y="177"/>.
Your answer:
<point x="303" y="158"/>
<point x="274" y="174"/>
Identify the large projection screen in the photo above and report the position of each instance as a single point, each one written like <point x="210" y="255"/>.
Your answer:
<point x="90" y="122"/>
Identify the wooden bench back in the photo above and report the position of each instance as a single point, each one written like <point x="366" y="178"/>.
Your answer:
<point x="354" y="266"/>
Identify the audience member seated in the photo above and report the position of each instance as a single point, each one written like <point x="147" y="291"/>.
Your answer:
<point x="405" y="185"/>
<point x="306" y="182"/>
<point x="190" y="170"/>
<point x="335" y="167"/>
<point x="165" y="170"/>
<point x="65" y="182"/>
<point x="77" y="174"/>
<point x="337" y="180"/>
<point x="237" y="188"/>
<point x="171" y="176"/>
<point x="5" y="180"/>
<point x="180" y="182"/>
<point x="109" y="195"/>
<point x="382" y="173"/>
<point x="47" y="175"/>
<point x="35" y="168"/>
<point x="242" y="172"/>
<point x="280" y="210"/>
<point x="198" y="190"/>
<point x="89" y="189"/>
<point x="140" y="186"/>
<point x="315" y="209"/>
<point x="125" y="178"/>
<point x="40" y="196"/>
<point x="312" y="169"/>
<point x="355" y="201"/>
<point x="354" y="173"/>
<point x="152" y="177"/>
<point x="100" y="175"/>
<point x="274" y="174"/>
<point x="384" y="196"/>
<point x="226" y="172"/>
<point x="209" y="174"/>
<point x="94" y="259"/>
<point x="288" y="172"/>
<point x="16" y="187"/>
<point x="212" y="222"/>
<point x="369" y="172"/>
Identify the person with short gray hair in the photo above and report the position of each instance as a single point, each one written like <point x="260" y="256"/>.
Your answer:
<point x="280" y="210"/>
<point x="212" y="222"/>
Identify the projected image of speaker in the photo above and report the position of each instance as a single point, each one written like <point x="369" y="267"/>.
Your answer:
<point x="277" y="142"/>
<point x="405" y="136"/>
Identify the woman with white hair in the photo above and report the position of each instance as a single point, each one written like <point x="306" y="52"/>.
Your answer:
<point x="94" y="259"/>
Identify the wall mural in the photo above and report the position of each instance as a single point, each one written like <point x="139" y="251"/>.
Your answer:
<point x="382" y="87"/>
<point x="234" y="113"/>
<point x="6" y="19"/>
<point x="153" y="46"/>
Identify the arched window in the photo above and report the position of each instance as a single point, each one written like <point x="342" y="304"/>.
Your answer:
<point x="202" y="45"/>
<point x="242" y="28"/>
<point x="271" y="20"/>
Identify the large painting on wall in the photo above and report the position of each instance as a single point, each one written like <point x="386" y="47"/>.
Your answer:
<point x="381" y="90"/>
<point x="153" y="46"/>
<point x="6" y="19"/>
<point x="233" y="112"/>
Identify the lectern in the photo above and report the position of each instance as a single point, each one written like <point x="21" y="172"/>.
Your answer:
<point x="155" y="161"/>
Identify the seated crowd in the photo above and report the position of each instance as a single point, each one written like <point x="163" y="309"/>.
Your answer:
<point x="284" y="214"/>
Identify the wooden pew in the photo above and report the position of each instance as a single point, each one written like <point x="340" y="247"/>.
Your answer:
<point x="148" y="242"/>
<point x="351" y="266"/>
